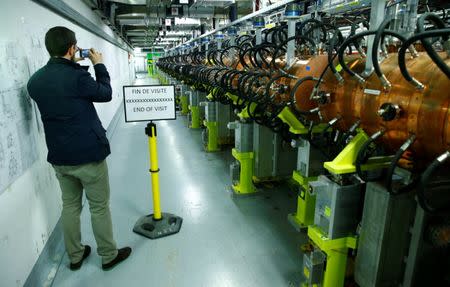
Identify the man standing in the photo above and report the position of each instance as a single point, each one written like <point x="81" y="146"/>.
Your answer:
<point x="77" y="145"/>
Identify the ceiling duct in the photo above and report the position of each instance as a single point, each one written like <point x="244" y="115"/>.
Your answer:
<point x="130" y="2"/>
<point x="212" y="3"/>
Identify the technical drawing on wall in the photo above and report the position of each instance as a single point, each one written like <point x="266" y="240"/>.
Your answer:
<point x="18" y="119"/>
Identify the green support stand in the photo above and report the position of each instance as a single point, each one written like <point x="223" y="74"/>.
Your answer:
<point x="336" y="251"/>
<point x="184" y="105"/>
<point x="213" y="136"/>
<point x="245" y="185"/>
<point x="306" y="203"/>
<point x="195" y="117"/>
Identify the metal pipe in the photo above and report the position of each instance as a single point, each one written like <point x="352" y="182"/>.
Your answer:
<point x="290" y="53"/>
<point x="376" y="17"/>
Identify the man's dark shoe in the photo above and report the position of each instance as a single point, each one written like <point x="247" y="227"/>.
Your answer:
<point x="122" y="254"/>
<point x="76" y="266"/>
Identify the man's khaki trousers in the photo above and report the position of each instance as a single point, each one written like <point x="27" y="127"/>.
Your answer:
<point x="93" y="178"/>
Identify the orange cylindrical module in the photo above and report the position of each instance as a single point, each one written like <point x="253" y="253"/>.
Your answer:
<point x="312" y="67"/>
<point x="424" y="113"/>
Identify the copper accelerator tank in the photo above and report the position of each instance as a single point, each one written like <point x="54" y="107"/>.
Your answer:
<point x="312" y="67"/>
<point x="302" y="68"/>
<point x="424" y="113"/>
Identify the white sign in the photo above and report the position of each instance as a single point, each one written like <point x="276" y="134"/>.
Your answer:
<point x="372" y="92"/>
<point x="149" y="103"/>
<point x="168" y="22"/>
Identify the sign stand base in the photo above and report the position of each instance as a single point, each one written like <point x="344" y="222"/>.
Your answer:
<point x="149" y="227"/>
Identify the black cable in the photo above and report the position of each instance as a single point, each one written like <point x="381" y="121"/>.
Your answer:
<point x="280" y="34"/>
<point x="243" y="39"/>
<point x="364" y="152"/>
<point x="252" y="57"/>
<point x="222" y="53"/>
<point x="331" y="48"/>
<point x="345" y="136"/>
<point x="376" y="43"/>
<point x="353" y="29"/>
<point x="294" y="91"/>
<point x="256" y="81"/>
<point x="224" y="80"/>
<point x="247" y="86"/>
<point x="427" y="45"/>
<point x="241" y="85"/>
<point x="242" y="52"/>
<point x="281" y="48"/>
<point x="342" y="48"/>
<point x="316" y="87"/>
<point x="256" y="113"/>
<point x="270" y="33"/>
<point x="216" y="74"/>
<point x="393" y="165"/>
<point x="275" y="31"/>
<point x="269" y="84"/>
<point x="231" y="80"/>
<point x="405" y="46"/>
<point x="424" y="185"/>
<point x="264" y="47"/>
<point x="316" y="24"/>
<point x="351" y="39"/>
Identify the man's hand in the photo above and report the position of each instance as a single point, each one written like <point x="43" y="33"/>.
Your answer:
<point x="74" y="57"/>
<point x="95" y="57"/>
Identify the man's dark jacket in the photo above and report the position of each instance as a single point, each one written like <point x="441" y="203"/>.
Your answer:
<point x="65" y="92"/>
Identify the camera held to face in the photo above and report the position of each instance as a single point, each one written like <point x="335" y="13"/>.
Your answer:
<point x="84" y="53"/>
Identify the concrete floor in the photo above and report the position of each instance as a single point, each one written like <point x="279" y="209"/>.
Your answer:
<point x="224" y="241"/>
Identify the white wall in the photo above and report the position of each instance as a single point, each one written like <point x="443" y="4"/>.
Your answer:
<point x="140" y="64"/>
<point x="30" y="207"/>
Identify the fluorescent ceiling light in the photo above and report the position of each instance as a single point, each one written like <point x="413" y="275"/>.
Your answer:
<point x="187" y="21"/>
<point x="170" y="39"/>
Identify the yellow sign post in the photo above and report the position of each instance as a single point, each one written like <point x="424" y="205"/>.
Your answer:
<point x="158" y="224"/>
<point x="149" y="103"/>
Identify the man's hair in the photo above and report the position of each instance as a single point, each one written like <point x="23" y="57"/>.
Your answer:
<point x="58" y="40"/>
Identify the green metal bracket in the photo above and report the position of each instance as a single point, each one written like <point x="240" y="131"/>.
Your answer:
<point x="344" y="163"/>
<point x="210" y="95"/>
<point x="295" y="126"/>
<point x="244" y="113"/>
<point x="232" y="97"/>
